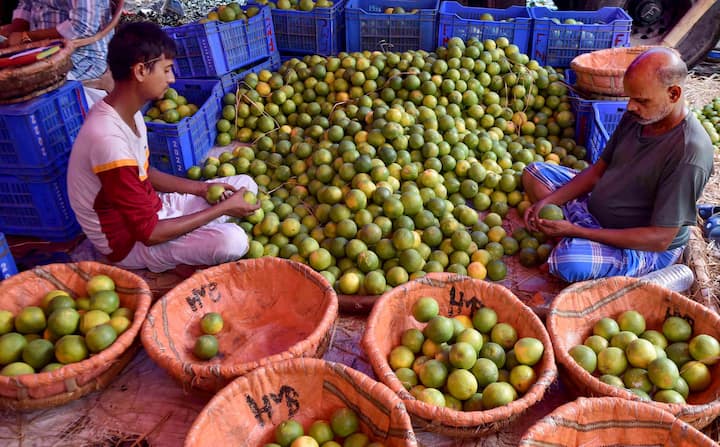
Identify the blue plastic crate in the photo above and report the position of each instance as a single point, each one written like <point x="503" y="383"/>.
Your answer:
<point x="7" y="263"/>
<point x="606" y="116"/>
<point x="585" y="116"/>
<point x="176" y="147"/>
<point x="230" y="81"/>
<point x="37" y="205"/>
<point x="320" y="31"/>
<point x="557" y="44"/>
<point x="209" y="50"/>
<point x="464" y="22"/>
<point x="35" y="134"/>
<point x="367" y="27"/>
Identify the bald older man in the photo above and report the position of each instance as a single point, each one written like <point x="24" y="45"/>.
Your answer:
<point x="628" y="214"/>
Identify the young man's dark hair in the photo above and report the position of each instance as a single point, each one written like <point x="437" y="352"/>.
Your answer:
<point x="138" y="42"/>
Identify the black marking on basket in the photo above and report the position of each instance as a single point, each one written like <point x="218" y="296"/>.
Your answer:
<point x="47" y="276"/>
<point x="166" y="328"/>
<point x="209" y="290"/>
<point x="286" y="393"/>
<point x="456" y="305"/>
<point x="597" y="305"/>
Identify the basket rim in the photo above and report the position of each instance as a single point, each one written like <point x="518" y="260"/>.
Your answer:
<point x="449" y="417"/>
<point x="597" y="403"/>
<point x="592" y="383"/>
<point x="577" y="63"/>
<point x="195" y="367"/>
<point x="103" y="358"/>
<point x="307" y="367"/>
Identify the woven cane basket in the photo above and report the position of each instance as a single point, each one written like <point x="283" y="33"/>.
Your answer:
<point x="247" y="411"/>
<point x="392" y="315"/>
<point x="72" y="381"/>
<point x="601" y="72"/>
<point x="577" y="308"/>
<point x="273" y="309"/>
<point x="22" y="83"/>
<point x="605" y="421"/>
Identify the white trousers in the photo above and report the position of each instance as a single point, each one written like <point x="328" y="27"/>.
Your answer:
<point x="217" y="242"/>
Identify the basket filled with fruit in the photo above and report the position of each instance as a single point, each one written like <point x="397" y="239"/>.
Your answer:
<point x="225" y="321"/>
<point x="303" y="402"/>
<point x="66" y="330"/>
<point x="612" y="421"/>
<point x="466" y="356"/>
<point x="623" y="337"/>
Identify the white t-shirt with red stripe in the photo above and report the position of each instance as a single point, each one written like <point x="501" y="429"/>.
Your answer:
<point x="108" y="186"/>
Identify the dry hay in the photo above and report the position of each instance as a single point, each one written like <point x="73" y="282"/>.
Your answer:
<point x="700" y="90"/>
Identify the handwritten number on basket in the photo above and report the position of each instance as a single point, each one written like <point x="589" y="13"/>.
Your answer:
<point x="286" y="393"/>
<point x="457" y="304"/>
<point x="209" y="290"/>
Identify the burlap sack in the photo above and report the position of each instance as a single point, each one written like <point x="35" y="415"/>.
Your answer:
<point x="72" y="381"/>
<point x="457" y="295"/>
<point x="601" y="72"/>
<point x="607" y="421"/>
<point x="273" y="309"/>
<point x="247" y="411"/>
<point x="577" y="308"/>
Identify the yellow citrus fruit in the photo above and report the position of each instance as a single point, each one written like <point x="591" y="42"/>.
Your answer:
<point x="120" y="324"/>
<point x="71" y="349"/>
<point x="522" y="377"/>
<point x="7" y="323"/>
<point x="528" y="350"/>
<point x="206" y="347"/>
<point x="461" y="384"/>
<point x="50" y="295"/>
<point x="633" y="321"/>
<point x="106" y="300"/>
<point x="321" y="431"/>
<point x="211" y="323"/>
<point x="677" y="329"/>
<point x="344" y="422"/>
<point x="100" y="337"/>
<point x="304" y="441"/>
<point x="38" y="353"/>
<point x="288" y="431"/>
<point x="92" y="318"/>
<point x="705" y="348"/>
<point x="585" y="357"/>
<point x="99" y="283"/>
<point x="484" y="319"/>
<point x="612" y="361"/>
<point x="30" y="320"/>
<point x="498" y="394"/>
<point x="16" y="369"/>
<point x="663" y="373"/>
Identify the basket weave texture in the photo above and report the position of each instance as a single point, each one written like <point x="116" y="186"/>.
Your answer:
<point x="577" y="308"/>
<point x="247" y="411"/>
<point x="456" y="295"/>
<point x="612" y="421"/>
<point x="601" y="72"/>
<point x="26" y="82"/>
<point x="273" y="309"/>
<point x="74" y="380"/>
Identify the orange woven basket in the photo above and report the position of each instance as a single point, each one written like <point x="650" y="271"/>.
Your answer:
<point x="576" y="309"/>
<point x="72" y="381"/>
<point x="607" y="421"/>
<point x="247" y="411"/>
<point x="273" y="309"/>
<point x="456" y="295"/>
<point x="601" y="72"/>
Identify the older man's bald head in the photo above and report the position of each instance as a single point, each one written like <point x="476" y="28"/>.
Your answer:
<point x="665" y="64"/>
